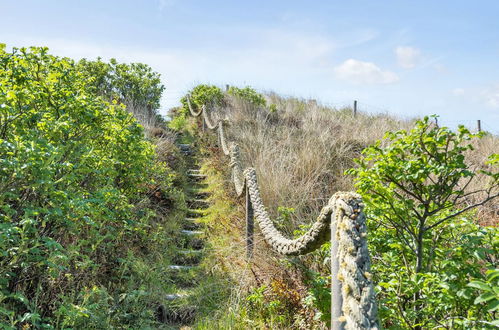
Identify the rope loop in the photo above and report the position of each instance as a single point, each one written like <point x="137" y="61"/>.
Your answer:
<point x="343" y="208"/>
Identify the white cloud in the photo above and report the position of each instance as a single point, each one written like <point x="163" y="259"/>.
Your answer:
<point x="407" y="57"/>
<point x="458" y="91"/>
<point x="360" y="72"/>
<point x="491" y="96"/>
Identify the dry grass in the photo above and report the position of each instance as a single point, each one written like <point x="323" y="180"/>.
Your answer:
<point x="301" y="151"/>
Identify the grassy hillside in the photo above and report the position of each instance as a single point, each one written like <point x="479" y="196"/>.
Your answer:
<point x="300" y="151"/>
<point x="93" y="192"/>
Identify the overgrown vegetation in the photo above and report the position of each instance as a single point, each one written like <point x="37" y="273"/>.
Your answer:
<point x="135" y="85"/>
<point x="301" y="149"/>
<point x="84" y="197"/>
<point x="90" y="195"/>
<point x="415" y="189"/>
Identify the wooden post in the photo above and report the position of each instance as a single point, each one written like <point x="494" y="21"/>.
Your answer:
<point x="355" y="108"/>
<point x="336" y="295"/>
<point x="227" y="87"/>
<point x="436" y="121"/>
<point x="203" y="123"/>
<point x="250" y="225"/>
<point x="479" y="124"/>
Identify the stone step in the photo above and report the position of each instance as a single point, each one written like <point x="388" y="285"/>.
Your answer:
<point x="192" y="232"/>
<point x="180" y="267"/>
<point x="191" y="225"/>
<point x="188" y="258"/>
<point x="198" y="203"/>
<point x="195" y="213"/>
<point x="198" y="200"/>
<point x="176" y="296"/>
<point x="196" y="176"/>
<point x="184" y="146"/>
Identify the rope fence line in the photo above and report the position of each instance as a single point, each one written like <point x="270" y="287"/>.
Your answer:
<point x="341" y="221"/>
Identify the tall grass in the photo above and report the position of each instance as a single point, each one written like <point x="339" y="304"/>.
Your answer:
<point x="301" y="150"/>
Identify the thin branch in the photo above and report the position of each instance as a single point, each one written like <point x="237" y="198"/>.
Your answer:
<point x="489" y="198"/>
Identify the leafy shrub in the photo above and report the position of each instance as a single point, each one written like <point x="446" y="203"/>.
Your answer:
<point x="275" y="304"/>
<point x="200" y="95"/>
<point x="73" y="171"/>
<point x="248" y="94"/>
<point x="134" y="83"/>
<point x="414" y="188"/>
<point x="489" y="288"/>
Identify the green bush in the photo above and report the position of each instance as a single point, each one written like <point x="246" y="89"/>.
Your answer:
<point x="135" y="84"/>
<point x="73" y="171"/>
<point x="425" y="252"/>
<point x="248" y="94"/>
<point x="201" y="95"/>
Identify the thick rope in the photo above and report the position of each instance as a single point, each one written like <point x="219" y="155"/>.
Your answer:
<point x="345" y="208"/>
<point x="359" y="302"/>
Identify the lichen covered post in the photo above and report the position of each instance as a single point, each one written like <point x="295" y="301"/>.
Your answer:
<point x="336" y="299"/>
<point x="249" y="225"/>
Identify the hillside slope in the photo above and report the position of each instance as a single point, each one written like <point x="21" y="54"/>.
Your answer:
<point x="300" y="151"/>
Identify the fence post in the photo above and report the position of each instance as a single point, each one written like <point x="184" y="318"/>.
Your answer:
<point x="336" y="295"/>
<point x="436" y="121"/>
<point x="227" y="87"/>
<point x="250" y="225"/>
<point x="479" y="124"/>
<point x="355" y="108"/>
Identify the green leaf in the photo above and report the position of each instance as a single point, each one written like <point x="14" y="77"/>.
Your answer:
<point x="493" y="305"/>
<point x="479" y="285"/>
<point x="484" y="297"/>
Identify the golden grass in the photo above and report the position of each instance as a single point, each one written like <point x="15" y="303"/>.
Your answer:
<point x="301" y="151"/>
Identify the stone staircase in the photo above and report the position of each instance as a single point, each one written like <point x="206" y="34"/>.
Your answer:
<point x="180" y="307"/>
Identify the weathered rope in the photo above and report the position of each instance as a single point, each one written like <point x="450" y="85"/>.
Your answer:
<point x="359" y="302"/>
<point x="345" y="208"/>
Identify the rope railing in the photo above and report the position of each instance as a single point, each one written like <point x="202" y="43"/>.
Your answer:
<point x="342" y="221"/>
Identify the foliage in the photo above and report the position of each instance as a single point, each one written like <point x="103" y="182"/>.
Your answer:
<point x="74" y="170"/>
<point x="284" y="217"/>
<point x="178" y="123"/>
<point x="319" y="295"/>
<point x="424" y="252"/>
<point x="201" y="95"/>
<point x="135" y="84"/>
<point x="276" y="304"/>
<point x="489" y="288"/>
<point x="440" y="295"/>
<point x="249" y="94"/>
<point x="418" y="180"/>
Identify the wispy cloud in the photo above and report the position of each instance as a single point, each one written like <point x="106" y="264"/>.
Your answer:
<point x="269" y="58"/>
<point x="491" y="96"/>
<point x="407" y="57"/>
<point x="360" y="72"/>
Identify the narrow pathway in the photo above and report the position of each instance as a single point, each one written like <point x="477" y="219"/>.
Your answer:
<point x="180" y="308"/>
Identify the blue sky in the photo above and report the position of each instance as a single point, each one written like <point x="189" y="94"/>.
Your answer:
<point x="410" y="58"/>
